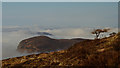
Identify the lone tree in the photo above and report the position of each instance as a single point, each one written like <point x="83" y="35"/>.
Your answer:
<point x="97" y="32"/>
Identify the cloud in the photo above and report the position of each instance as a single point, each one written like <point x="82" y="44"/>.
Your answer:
<point x="12" y="35"/>
<point x="69" y="32"/>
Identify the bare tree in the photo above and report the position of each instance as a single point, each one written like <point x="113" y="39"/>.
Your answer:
<point x="97" y="32"/>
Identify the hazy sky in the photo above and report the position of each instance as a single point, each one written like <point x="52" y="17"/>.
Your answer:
<point x="76" y="14"/>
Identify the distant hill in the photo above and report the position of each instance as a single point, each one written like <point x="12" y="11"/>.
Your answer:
<point x="40" y="33"/>
<point x="99" y="53"/>
<point x="45" y="44"/>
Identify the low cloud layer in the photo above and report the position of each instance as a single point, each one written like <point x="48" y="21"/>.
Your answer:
<point x="12" y="35"/>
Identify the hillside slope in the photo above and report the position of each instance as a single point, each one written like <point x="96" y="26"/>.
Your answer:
<point x="100" y="53"/>
<point x="45" y="44"/>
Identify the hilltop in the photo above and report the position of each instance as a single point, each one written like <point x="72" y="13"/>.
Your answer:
<point x="45" y="44"/>
<point x="100" y="53"/>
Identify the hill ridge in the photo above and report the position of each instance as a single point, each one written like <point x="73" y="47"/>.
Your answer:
<point x="44" y="43"/>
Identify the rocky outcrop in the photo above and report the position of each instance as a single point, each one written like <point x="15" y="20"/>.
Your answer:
<point x="45" y="44"/>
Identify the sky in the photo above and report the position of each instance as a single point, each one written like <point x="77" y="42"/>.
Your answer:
<point x="64" y="20"/>
<point x="61" y="14"/>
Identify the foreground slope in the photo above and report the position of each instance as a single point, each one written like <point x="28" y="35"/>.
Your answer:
<point x="103" y="52"/>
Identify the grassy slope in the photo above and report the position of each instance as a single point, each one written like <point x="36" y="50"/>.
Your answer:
<point x="103" y="52"/>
